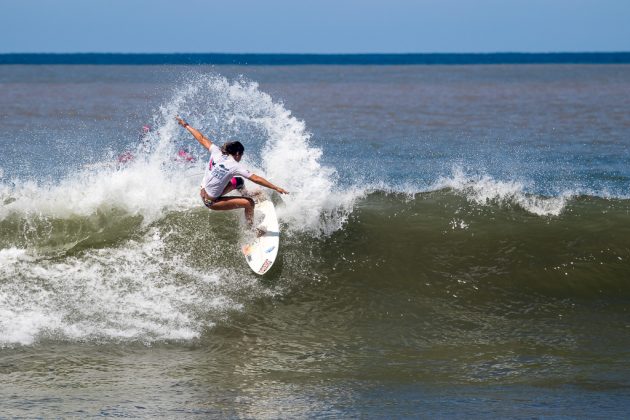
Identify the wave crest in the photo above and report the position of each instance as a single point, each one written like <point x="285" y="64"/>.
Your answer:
<point x="485" y="190"/>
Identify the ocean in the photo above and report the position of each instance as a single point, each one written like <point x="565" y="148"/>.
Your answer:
<point x="456" y="242"/>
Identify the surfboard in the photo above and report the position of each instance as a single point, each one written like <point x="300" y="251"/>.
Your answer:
<point x="262" y="251"/>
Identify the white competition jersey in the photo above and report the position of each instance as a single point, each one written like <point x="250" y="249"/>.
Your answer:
<point x="220" y="170"/>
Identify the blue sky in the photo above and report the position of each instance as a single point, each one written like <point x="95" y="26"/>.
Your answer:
<point x="314" y="26"/>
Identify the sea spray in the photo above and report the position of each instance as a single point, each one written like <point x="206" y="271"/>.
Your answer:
<point x="485" y="190"/>
<point x="278" y="147"/>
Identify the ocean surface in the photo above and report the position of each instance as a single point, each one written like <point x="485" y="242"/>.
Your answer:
<point x="456" y="242"/>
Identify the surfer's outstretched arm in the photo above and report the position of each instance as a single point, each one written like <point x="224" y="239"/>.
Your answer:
<point x="262" y="181"/>
<point x="203" y="140"/>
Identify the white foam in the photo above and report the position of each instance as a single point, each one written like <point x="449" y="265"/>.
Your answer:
<point x="141" y="188"/>
<point x="483" y="190"/>
<point x="132" y="292"/>
<point x="458" y="224"/>
<point x="13" y="255"/>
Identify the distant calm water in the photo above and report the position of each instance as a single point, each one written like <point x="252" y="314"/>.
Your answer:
<point x="316" y="59"/>
<point x="456" y="242"/>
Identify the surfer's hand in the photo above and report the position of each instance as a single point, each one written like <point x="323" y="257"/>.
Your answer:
<point x="282" y="190"/>
<point x="181" y="122"/>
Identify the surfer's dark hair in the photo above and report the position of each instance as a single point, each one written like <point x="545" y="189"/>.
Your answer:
<point x="232" y="148"/>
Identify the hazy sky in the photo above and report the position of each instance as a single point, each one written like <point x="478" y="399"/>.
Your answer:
<point x="314" y="26"/>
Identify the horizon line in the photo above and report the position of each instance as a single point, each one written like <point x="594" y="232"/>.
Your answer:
<point x="321" y="53"/>
<point x="183" y="58"/>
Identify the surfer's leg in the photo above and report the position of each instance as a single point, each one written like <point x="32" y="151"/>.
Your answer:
<point x="231" y="203"/>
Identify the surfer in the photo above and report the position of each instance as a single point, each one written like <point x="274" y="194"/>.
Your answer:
<point x="224" y="174"/>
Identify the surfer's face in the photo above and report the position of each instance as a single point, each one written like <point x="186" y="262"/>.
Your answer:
<point x="237" y="156"/>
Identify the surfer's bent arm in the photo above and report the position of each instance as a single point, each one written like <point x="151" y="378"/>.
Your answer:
<point x="262" y="181"/>
<point x="203" y="140"/>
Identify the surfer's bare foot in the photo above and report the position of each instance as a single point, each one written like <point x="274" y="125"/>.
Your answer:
<point x="260" y="231"/>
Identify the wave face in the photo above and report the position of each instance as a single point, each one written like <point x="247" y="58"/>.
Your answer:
<point x="114" y="275"/>
<point x="447" y="243"/>
<point x="125" y="252"/>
